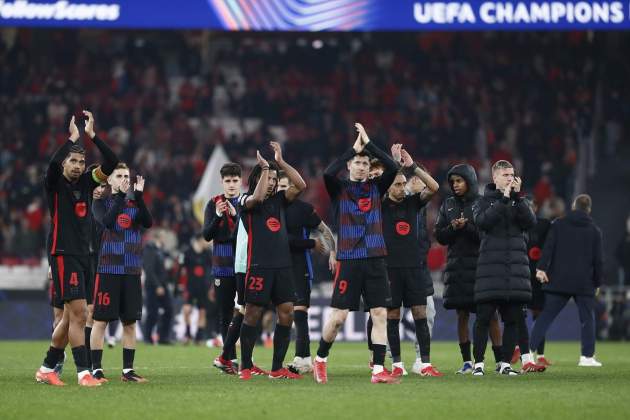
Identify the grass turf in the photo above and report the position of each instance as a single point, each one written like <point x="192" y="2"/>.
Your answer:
<point x="183" y="384"/>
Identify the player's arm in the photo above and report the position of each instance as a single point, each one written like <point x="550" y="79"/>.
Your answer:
<point x="110" y="160"/>
<point x="485" y="215"/>
<point x="414" y="169"/>
<point x="297" y="243"/>
<point x="331" y="181"/>
<point x="445" y="232"/>
<point x="55" y="170"/>
<point x="144" y="215"/>
<point x="327" y="236"/>
<point x="391" y="167"/>
<point x="297" y="182"/>
<point x="211" y="221"/>
<point x="546" y="258"/>
<point x="251" y="201"/>
<point x="598" y="259"/>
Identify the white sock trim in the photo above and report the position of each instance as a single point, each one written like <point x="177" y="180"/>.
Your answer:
<point x="377" y="369"/>
<point x="45" y="369"/>
<point x="127" y="370"/>
<point x="83" y="373"/>
<point x="321" y="359"/>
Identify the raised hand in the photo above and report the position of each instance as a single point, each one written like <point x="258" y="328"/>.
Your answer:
<point x="139" y="184"/>
<point x="261" y="161"/>
<point x="124" y="185"/>
<point x="396" y="152"/>
<point x="363" y="134"/>
<point x="74" y="131"/>
<point x="407" y="160"/>
<point x="231" y="208"/>
<point x="358" y="145"/>
<point x="277" y="151"/>
<point x="89" y="124"/>
<point x="508" y="189"/>
<point x="516" y="184"/>
<point x="221" y="207"/>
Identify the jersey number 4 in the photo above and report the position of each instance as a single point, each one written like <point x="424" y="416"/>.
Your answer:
<point x="74" y="279"/>
<point x="256" y="283"/>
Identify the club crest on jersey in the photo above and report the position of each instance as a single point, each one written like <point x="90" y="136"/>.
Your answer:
<point x="80" y="209"/>
<point x="217" y="282"/>
<point x="535" y="253"/>
<point x="198" y="271"/>
<point x="124" y="221"/>
<point x="273" y="224"/>
<point x="403" y="228"/>
<point x="365" y="204"/>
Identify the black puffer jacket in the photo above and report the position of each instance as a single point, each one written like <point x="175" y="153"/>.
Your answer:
<point x="503" y="267"/>
<point x="573" y="255"/>
<point x="463" y="244"/>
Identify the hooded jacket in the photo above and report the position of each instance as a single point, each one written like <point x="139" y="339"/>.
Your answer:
<point x="573" y="255"/>
<point x="463" y="244"/>
<point x="503" y="267"/>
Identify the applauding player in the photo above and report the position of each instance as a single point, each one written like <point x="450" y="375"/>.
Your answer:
<point x="269" y="277"/>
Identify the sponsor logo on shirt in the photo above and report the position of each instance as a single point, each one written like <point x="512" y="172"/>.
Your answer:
<point x="365" y="204"/>
<point x="80" y="209"/>
<point x="273" y="224"/>
<point x="403" y="228"/>
<point x="124" y="221"/>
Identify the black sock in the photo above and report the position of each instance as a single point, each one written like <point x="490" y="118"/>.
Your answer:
<point x="97" y="358"/>
<point x="281" y="340"/>
<point x="302" y="339"/>
<point x="324" y="348"/>
<point x="234" y="331"/>
<point x="464" y="348"/>
<point x="424" y="339"/>
<point x="80" y="358"/>
<point x="379" y="354"/>
<point x="88" y="333"/>
<point x="188" y="335"/>
<point x="498" y="354"/>
<point x="393" y="338"/>
<point x="199" y="334"/>
<point x="53" y="356"/>
<point x="128" y="356"/>
<point x="368" y="331"/>
<point x="541" y="348"/>
<point x="112" y="326"/>
<point x="248" y="341"/>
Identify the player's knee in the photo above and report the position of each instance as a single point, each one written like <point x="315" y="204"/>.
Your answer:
<point x="129" y="325"/>
<point x="419" y="312"/>
<point x="338" y="318"/>
<point x="393" y="313"/>
<point x="379" y="314"/>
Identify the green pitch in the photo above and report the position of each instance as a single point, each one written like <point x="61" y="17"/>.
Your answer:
<point x="183" y="385"/>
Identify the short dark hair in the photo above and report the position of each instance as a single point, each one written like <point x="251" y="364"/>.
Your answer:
<point x="583" y="202"/>
<point x="282" y="174"/>
<point x="231" y="169"/>
<point x="254" y="176"/>
<point x="75" y="148"/>
<point x="121" y="165"/>
<point x="198" y="236"/>
<point x="501" y="164"/>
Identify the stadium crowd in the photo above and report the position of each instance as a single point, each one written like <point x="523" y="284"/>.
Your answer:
<point x="163" y="102"/>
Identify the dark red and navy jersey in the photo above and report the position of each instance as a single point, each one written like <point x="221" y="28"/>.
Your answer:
<point x="401" y="229"/>
<point x="70" y="214"/>
<point x="268" y="241"/>
<point x="360" y="228"/>
<point x="357" y="207"/>
<point x="123" y="218"/>
<point x="198" y="266"/>
<point x="301" y="219"/>
<point x="222" y="231"/>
